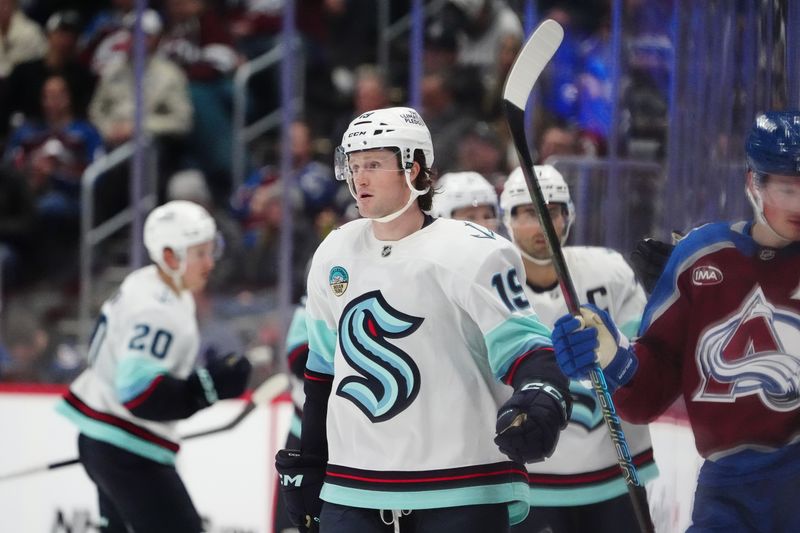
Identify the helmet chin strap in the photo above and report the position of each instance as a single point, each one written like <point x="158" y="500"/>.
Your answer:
<point x="535" y="261"/>
<point x="758" y="208"/>
<point x="414" y="194"/>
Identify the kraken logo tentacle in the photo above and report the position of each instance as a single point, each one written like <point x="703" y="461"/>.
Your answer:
<point x="389" y="379"/>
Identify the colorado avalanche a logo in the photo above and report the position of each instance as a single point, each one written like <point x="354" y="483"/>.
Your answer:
<point x="747" y="354"/>
<point x="391" y="380"/>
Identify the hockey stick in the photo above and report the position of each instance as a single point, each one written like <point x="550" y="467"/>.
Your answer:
<point x="272" y="387"/>
<point x="528" y="65"/>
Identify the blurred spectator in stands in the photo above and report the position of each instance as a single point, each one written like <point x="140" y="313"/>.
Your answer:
<point x="197" y="39"/>
<point x="191" y="185"/>
<point x="440" y="50"/>
<point x="24" y="348"/>
<point x="317" y="199"/>
<point x="370" y="91"/>
<point x="556" y="138"/>
<point x="53" y="153"/>
<point x="17" y="228"/>
<point x="558" y="83"/>
<point x="167" y="105"/>
<point x="26" y="80"/>
<point x="594" y="105"/>
<point x="480" y="26"/>
<point x="481" y="150"/>
<point x="446" y="120"/>
<point x="493" y="100"/>
<point x="105" y="36"/>
<point x="22" y="39"/>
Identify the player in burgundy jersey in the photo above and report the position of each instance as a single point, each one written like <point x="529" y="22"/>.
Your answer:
<point x="722" y="328"/>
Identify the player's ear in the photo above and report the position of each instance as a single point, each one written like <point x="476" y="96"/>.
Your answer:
<point x="415" y="170"/>
<point x="171" y="258"/>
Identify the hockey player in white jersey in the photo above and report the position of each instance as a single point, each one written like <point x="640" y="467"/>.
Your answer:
<point x="580" y="487"/>
<point x="141" y="378"/>
<point x="412" y="323"/>
<point x="466" y="196"/>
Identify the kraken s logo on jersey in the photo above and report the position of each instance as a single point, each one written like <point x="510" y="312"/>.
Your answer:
<point x="585" y="408"/>
<point x="756" y="351"/>
<point x="389" y="380"/>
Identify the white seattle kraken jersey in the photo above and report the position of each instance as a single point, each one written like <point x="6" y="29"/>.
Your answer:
<point x="416" y="334"/>
<point x="144" y="331"/>
<point x="584" y="468"/>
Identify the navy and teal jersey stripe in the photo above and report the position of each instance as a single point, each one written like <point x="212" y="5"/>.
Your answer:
<point x="321" y="347"/>
<point x="298" y="331"/>
<point x="134" y="376"/>
<point x="570" y="490"/>
<point x="117" y="431"/>
<point x="511" y="339"/>
<point x="504" y="482"/>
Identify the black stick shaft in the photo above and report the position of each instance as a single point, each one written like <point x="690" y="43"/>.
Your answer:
<point x="516" y="122"/>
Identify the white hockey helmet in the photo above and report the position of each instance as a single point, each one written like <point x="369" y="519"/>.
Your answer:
<point x="554" y="189"/>
<point x="177" y="225"/>
<point x="462" y="189"/>
<point x="395" y="127"/>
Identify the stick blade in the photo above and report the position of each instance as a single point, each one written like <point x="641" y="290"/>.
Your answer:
<point x="272" y="387"/>
<point x="530" y="62"/>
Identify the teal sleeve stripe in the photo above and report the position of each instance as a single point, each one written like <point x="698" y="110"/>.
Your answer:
<point x="515" y="494"/>
<point x="321" y="339"/>
<point x="134" y="375"/>
<point x="295" y="426"/>
<point x="587" y="494"/>
<point x="317" y="363"/>
<point x="512" y="338"/>
<point x="631" y="328"/>
<point x="298" y="333"/>
<point x="116" y="436"/>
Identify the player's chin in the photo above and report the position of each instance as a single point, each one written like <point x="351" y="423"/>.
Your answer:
<point x="199" y="283"/>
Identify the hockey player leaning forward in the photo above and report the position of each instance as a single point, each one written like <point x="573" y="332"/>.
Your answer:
<point x="141" y="379"/>
<point x="413" y="325"/>
<point x="722" y="328"/>
<point x="580" y="488"/>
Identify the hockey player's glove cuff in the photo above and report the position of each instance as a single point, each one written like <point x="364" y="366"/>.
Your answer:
<point x="578" y="348"/>
<point x="529" y="423"/>
<point x="301" y="478"/>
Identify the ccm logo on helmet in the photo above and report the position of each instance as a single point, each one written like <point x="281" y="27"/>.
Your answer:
<point x="356" y="134"/>
<point x="706" y="275"/>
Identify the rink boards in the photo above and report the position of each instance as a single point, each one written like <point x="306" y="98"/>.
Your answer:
<point x="230" y="475"/>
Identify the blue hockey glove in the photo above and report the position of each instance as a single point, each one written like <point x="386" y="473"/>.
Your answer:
<point x="301" y="478"/>
<point x="530" y="421"/>
<point x="578" y="348"/>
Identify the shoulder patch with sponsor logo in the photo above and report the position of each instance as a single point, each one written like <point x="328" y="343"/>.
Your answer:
<point x="706" y="275"/>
